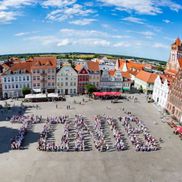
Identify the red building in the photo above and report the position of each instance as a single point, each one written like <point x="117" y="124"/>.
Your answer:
<point x="174" y="105"/>
<point x="83" y="78"/>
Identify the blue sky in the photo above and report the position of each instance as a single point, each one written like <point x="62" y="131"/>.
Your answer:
<point x="144" y="28"/>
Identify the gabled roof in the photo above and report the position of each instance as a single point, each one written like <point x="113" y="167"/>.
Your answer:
<point x="126" y="75"/>
<point x="78" y="67"/>
<point x="177" y="42"/>
<point x="146" y="76"/>
<point x="44" y="62"/>
<point x="93" y="66"/>
<point x="19" y="66"/>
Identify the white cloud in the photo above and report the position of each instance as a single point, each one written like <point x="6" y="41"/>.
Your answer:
<point x="44" y="40"/>
<point x="160" y="45"/>
<point x="166" y="21"/>
<point x="93" y="42"/>
<point x="125" y="44"/>
<point x="133" y="20"/>
<point x="147" y="34"/>
<point x="6" y="17"/>
<point x="122" y="44"/>
<point x="63" y="42"/>
<point x="149" y="7"/>
<point x="58" y="3"/>
<point x="8" y="9"/>
<point x="64" y="13"/>
<point x="82" y="22"/>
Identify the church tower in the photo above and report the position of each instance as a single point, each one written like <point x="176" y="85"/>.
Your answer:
<point x="175" y="55"/>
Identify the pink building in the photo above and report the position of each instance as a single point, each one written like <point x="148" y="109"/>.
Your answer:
<point x="43" y="72"/>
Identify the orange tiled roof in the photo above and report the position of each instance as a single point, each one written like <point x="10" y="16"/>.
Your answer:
<point x="170" y="71"/>
<point x="111" y="72"/>
<point x="44" y="62"/>
<point x="78" y="67"/>
<point x="21" y="66"/>
<point x="146" y="76"/>
<point x="93" y="66"/>
<point x="178" y="42"/>
<point x="126" y="75"/>
<point x="130" y="65"/>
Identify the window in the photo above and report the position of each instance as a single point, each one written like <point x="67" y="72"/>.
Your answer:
<point x="49" y="77"/>
<point x="9" y="86"/>
<point x="20" y="78"/>
<point x="34" y="85"/>
<point x="66" y="83"/>
<point x="38" y="84"/>
<point x="70" y="91"/>
<point x="38" y="78"/>
<point x="34" y="77"/>
<point x="5" y="79"/>
<point x="74" y="83"/>
<point x="53" y="77"/>
<point x="8" y="79"/>
<point x="12" y="85"/>
<point x="23" y="78"/>
<point x="49" y="84"/>
<point x="5" y="87"/>
<point x="16" y="78"/>
<point x="53" y="84"/>
<point x="12" y="79"/>
<point x="62" y="84"/>
<point x="16" y="85"/>
<point x="66" y="78"/>
<point x="38" y="71"/>
<point x="27" y="78"/>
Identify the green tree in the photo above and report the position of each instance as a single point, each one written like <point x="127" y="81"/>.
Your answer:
<point x="26" y="90"/>
<point x="90" y="88"/>
<point x="141" y="89"/>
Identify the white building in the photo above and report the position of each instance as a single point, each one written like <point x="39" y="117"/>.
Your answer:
<point x="160" y="91"/>
<point x="145" y="80"/>
<point x="111" y="80"/>
<point x="67" y="80"/>
<point x="15" y="78"/>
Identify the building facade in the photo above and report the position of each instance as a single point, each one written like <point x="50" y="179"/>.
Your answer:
<point x="83" y="78"/>
<point x="145" y="81"/>
<point x="67" y="80"/>
<point x="43" y="71"/>
<point x="94" y="73"/>
<point x="111" y="80"/>
<point x="160" y="91"/>
<point x="15" y="79"/>
<point x="174" y="103"/>
<point x="175" y="58"/>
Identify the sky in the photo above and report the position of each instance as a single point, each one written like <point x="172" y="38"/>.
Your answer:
<point x="143" y="28"/>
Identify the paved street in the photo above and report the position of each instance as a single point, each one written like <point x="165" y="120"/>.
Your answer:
<point x="31" y="165"/>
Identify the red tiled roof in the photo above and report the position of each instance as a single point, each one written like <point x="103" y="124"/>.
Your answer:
<point x="146" y="76"/>
<point x="78" y="67"/>
<point x="126" y="75"/>
<point x="178" y="42"/>
<point x="111" y="72"/>
<point x="93" y="66"/>
<point x="130" y="65"/>
<point x="44" y="62"/>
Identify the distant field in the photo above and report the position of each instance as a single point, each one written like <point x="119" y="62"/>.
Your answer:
<point x="77" y="56"/>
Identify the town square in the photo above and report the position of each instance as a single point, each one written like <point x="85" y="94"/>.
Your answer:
<point x="90" y="90"/>
<point x="30" y="164"/>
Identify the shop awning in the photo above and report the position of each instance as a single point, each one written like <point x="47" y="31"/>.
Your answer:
<point x="107" y="93"/>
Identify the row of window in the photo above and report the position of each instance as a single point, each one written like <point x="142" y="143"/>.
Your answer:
<point x="48" y="77"/>
<point x="16" y="86"/>
<point x="44" y="71"/>
<point x="16" y="79"/>
<point x="70" y="91"/>
<point x="48" y="84"/>
<point x="66" y="78"/>
<point x="62" y="84"/>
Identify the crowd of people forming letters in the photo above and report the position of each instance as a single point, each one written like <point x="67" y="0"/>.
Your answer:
<point x="78" y="131"/>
